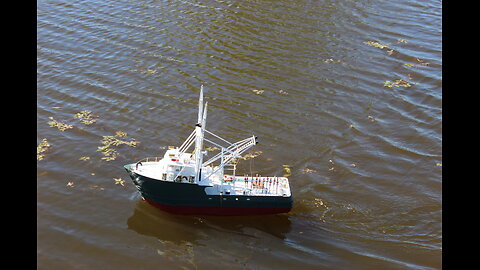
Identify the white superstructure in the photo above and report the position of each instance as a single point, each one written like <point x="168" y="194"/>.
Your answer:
<point x="180" y="165"/>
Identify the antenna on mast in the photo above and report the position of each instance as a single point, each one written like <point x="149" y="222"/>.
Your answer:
<point x="199" y="131"/>
<point x="200" y="106"/>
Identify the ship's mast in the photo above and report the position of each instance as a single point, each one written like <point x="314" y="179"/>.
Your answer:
<point x="199" y="132"/>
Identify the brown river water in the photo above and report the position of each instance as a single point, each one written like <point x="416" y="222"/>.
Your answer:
<point x="346" y="94"/>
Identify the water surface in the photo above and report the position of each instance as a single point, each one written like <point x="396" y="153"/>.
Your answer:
<point x="307" y="77"/>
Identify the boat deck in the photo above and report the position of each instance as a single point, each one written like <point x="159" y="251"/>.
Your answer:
<point x="255" y="186"/>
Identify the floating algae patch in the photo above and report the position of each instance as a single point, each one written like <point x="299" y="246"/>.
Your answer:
<point x="121" y="134"/>
<point x="375" y="44"/>
<point x="59" y="125"/>
<point x="85" y="117"/>
<point x="251" y="155"/>
<point x="422" y="62"/>
<point x="307" y="170"/>
<point x="398" y="83"/>
<point x="42" y="147"/>
<point x="109" y="154"/>
<point x="258" y="92"/>
<point x="109" y="142"/>
<point x="287" y="170"/>
<point x="119" y="181"/>
<point x="419" y="62"/>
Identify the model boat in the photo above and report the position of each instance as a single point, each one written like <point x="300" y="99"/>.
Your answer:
<point x="181" y="182"/>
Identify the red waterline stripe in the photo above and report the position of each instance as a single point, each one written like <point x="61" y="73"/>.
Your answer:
<point x="217" y="211"/>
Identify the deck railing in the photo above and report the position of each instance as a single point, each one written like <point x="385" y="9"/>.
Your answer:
<point x="150" y="159"/>
<point x="259" y="185"/>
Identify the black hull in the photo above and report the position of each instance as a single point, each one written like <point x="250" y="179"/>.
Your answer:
<point x="186" y="198"/>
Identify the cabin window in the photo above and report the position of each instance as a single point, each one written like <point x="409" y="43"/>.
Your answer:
<point x="174" y="168"/>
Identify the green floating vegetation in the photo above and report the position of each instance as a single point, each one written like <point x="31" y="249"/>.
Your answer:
<point x="144" y="70"/>
<point x="121" y="134"/>
<point x="398" y="83"/>
<point x="119" y="181"/>
<point x="307" y="170"/>
<point x="419" y="62"/>
<point x="251" y="155"/>
<point x="59" y="125"/>
<point x="210" y="149"/>
<point x="85" y="117"/>
<point x="109" y="154"/>
<point x="287" y="170"/>
<point x="42" y="147"/>
<point x="108" y="142"/>
<point x="375" y="44"/>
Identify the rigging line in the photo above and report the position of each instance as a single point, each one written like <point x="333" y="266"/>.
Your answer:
<point x="218" y="136"/>
<point x="251" y="160"/>
<point x="184" y="147"/>
<point x="217" y="145"/>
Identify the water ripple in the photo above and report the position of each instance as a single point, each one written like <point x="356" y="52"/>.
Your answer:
<point x="299" y="74"/>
